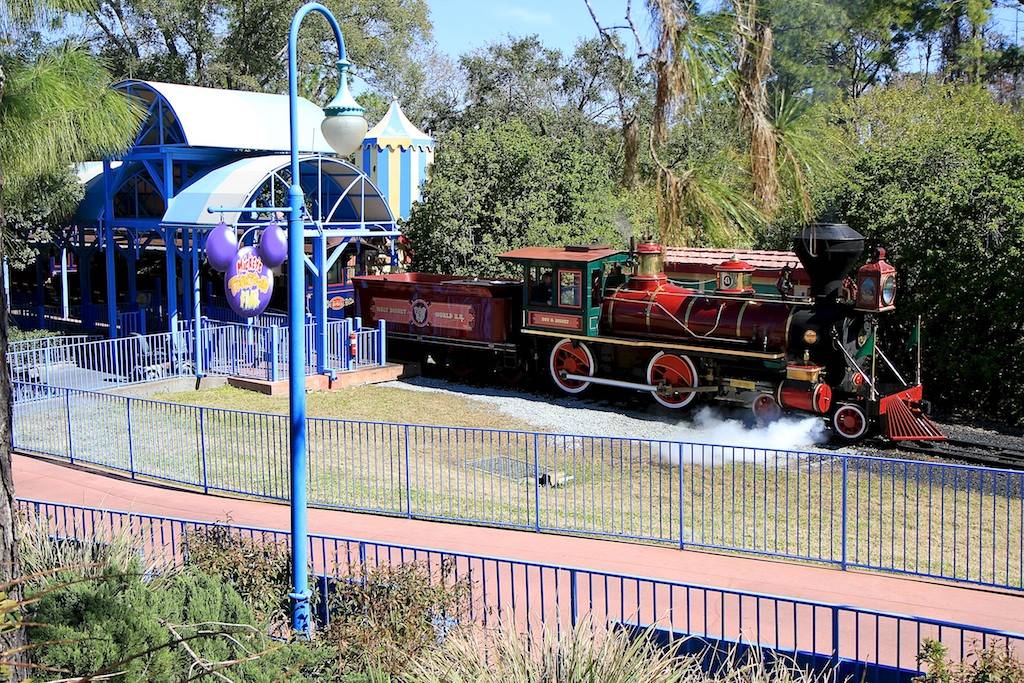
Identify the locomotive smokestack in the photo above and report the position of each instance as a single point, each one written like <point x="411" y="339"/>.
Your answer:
<point x="828" y="251"/>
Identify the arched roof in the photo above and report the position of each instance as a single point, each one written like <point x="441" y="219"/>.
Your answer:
<point x="338" y="194"/>
<point x="233" y="119"/>
<point x="396" y="130"/>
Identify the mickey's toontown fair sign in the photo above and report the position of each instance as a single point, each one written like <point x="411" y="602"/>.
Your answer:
<point x="248" y="278"/>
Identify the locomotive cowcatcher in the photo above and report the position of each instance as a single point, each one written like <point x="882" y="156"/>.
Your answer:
<point x="596" y="315"/>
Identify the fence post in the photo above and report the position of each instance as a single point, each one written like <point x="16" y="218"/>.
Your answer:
<point x="835" y="636"/>
<point x="202" y="447"/>
<point x="408" y="484"/>
<point x="273" y="353"/>
<point x="682" y="509"/>
<point x="382" y="358"/>
<point x="536" y="483"/>
<point x="845" y="511"/>
<point x="573" y="600"/>
<point x="71" y="443"/>
<point x="131" y="452"/>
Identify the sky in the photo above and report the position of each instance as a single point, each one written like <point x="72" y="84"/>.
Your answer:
<point x="463" y="25"/>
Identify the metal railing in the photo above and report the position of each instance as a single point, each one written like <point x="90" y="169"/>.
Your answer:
<point x="930" y="519"/>
<point x="100" y="363"/>
<point x="535" y="597"/>
<point x="52" y="342"/>
<point x="233" y="349"/>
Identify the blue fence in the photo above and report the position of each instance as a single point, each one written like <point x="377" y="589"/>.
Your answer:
<point x="923" y="518"/>
<point x="535" y="597"/>
<point x="255" y="351"/>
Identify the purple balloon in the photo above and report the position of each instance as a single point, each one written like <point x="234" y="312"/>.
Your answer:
<point x="221" y="247"/>
<point x="274" y="245"/>
<point x="248" y="283"/>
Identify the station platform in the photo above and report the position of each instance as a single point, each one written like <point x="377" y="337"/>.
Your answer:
<point x="41" y="479"/>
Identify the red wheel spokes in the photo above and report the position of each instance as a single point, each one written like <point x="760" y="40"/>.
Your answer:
<point x="572" y="360"/>
<point x="673" y="372"/>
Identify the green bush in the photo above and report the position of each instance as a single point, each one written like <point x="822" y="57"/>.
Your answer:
<point x="501" y="186"/>
<point x="14" y="333"/>
<point x="993" y="664"/>
<point x="120" y="622"/>
<point x="935" y="173"/>
<point x="387" y="617"/>
<point x="260" y="572"/>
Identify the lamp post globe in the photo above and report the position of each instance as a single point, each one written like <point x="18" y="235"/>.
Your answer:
<point x="344" y="125"/>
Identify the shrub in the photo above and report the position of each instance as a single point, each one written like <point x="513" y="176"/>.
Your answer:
<point x="502" y="186"/>
<point x="984" y="665"/>
<point x="100" y="607"/>
<point x="259" y="571"/>
<point x="386" y="617"/>
<point x="15" y="333"/>
<point x="584" y="654"/>
<point x="118" y="622"/>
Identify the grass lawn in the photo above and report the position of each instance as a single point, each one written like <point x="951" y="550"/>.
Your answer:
<point x="375" y="403"/>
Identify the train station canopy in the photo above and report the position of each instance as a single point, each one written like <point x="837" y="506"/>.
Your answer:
<point x="338" y="196"/>
<point x="227" y="119"/>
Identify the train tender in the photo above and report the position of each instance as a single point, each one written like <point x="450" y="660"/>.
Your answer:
<point x="596" y="315"/>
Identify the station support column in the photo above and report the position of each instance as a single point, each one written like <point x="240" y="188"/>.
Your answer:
<point x="319" y="303"/>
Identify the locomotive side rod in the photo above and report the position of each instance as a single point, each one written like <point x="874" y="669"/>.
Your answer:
<point x="621" y="384"/>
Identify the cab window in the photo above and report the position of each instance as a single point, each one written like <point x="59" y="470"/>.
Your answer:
<point x="570" y="288"/>
<point x="541" y="287"/>
<point x="596" y="288"/>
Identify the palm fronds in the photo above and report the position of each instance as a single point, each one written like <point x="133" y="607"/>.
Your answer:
<point x="807" y="149"/>
<point x="60" y="110"/>
<point x="754" y="38"/>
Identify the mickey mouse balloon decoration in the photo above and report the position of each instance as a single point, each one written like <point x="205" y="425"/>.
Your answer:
<point x="248" y="278"/>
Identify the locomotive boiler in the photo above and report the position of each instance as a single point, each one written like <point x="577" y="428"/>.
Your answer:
<point x="596" y="315"/>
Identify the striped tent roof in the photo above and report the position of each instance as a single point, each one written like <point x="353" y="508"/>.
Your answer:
<point x="395" y="130"/>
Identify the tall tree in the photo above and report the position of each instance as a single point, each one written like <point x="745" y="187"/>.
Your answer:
<point x="753" y="67"/>
<point x="54" y="111"/>
<point x="240" y="43"/>
<point x="626" y="80"/>
<point x="691" y="62"/>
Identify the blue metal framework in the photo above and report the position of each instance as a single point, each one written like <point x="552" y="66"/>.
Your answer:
<point x="537" y="598"/>
<point x="137" y="189"/>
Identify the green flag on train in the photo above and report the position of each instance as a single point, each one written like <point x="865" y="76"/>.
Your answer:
<point x="868" y="348"/>
<point x="915" y="335"/>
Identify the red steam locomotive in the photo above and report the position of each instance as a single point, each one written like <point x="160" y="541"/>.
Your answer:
<point x="595" y="315"/>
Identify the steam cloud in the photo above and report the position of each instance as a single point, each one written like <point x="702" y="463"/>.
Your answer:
<point x="692" y="435"/>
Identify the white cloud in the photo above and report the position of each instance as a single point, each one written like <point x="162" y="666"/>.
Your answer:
<point x="525" y="16"/>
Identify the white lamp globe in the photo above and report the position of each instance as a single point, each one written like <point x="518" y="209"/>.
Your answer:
<point x="344" y="132"/>
<point x="344" y="125"/>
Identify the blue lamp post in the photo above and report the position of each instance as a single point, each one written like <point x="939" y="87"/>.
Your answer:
<point x="344" y="128"/>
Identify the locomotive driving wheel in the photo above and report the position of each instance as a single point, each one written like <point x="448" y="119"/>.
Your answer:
<point x="570" y="358"/>
<point x="672" y="374"/>
<point x="849" y="422"/>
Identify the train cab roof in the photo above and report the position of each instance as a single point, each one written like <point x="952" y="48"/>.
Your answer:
<point x="568" y="254"/>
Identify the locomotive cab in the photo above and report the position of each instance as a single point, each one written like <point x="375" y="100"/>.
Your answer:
<point x="563" y="289"/>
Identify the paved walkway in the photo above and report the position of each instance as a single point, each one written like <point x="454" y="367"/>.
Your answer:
<point x="44" y="480"/>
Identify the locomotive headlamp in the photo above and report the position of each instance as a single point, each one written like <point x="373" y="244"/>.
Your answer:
<point x="810" y="337"/>
<point x="888" y="290"/>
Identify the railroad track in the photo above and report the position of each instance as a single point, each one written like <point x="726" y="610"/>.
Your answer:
<point x="973" y="451"/>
